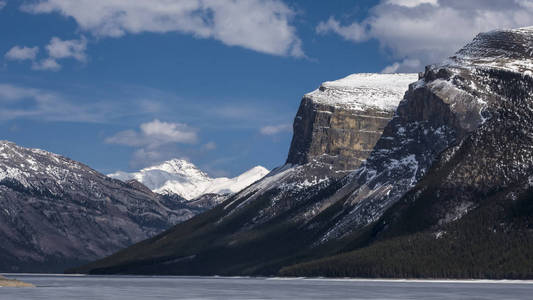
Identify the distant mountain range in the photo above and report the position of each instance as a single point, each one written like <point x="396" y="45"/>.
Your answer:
<point x="183" y="178"/>
<point x="435" y="183"/>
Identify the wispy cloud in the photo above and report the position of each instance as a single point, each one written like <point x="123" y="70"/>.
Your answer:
<point x="420" y="32"/>
<point x="209" y="146"/>
<point x="2" y="4"/>
<point x="22" y="53"/>
<point x="23" y="102"/>
<point x="262" y="26"/>
<point x="275" y="129"/>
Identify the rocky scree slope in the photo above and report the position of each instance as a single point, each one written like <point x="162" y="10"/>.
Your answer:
<point x="259" y="229"/>
<point x="469" y="209"/>
<point x="180" y="177"/>
<point x="56" y="212"/>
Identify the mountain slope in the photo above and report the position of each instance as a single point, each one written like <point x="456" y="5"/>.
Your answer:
<point x="471" y="215"/>
<point x="183" y="178"/>
<point x="263" y="227"/>
<point x="56" y="212"/>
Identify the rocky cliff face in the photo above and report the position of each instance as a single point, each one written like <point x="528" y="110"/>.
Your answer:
<point x="340" y="122"/>
<point x="56" y="212"/>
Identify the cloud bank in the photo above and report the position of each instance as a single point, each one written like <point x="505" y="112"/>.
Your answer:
<point x="428" y="31"/>
<point x="262" y="26"/>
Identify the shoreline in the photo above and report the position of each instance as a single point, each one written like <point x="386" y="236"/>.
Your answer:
<point x="6" y="282"/>
<point x="391" y="280"/>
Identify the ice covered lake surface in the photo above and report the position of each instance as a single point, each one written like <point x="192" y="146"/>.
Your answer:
<point x="142" y="287"/>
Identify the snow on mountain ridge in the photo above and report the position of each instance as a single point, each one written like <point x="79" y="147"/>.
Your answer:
<point x="23" y="164"/>
<point x="366" y="90"/>
<point x="183" y="178"/>
<point x="511" y="50"/>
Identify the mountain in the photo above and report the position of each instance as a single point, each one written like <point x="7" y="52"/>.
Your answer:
<point x="183" y="178"/>
<point x="468" y="211"/>
<point x="56" y="212"/>
<point x="262" y="227"/>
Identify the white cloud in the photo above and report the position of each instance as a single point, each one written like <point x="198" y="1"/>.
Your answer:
<point x="155" y="141"/>
<point x="60" y="49"/>
<point x="2" y="4"/>
<point x="410" y="64"/>
<point x="430" y="30"/>
<point x="275" y="129"/>
<point x="352" y="32"/>
<point x="412" y="3"/>
<point x="46" y="64"/>
<point x="263" y="26"/>
<point x="57" y="49"/>
<point x="154" y="134"/>
<point x="22" y="53"/>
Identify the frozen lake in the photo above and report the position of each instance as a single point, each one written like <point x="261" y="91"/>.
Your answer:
<point x="140" y="287"/>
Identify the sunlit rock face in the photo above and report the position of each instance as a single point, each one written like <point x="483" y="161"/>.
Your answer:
<point x="341" y="121"/>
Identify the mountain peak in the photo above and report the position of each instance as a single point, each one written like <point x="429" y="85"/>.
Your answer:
<point x="502" y="49"/>
<point x="181" y="177"/>
<point x="340" y="122"/>
<point x="178" y="166"/>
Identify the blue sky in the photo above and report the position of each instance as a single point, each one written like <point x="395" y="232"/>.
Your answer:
<point x="120" y="85"/>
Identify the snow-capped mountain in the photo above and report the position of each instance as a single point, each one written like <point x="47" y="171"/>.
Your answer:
<point x="56" y="212"/>
<point x="183" y="178"/>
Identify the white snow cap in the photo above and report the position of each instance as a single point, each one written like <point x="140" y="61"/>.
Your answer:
<point x="363" y="91"/>
<point x="181" y="177"/>
<point x="510" y="50"/>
